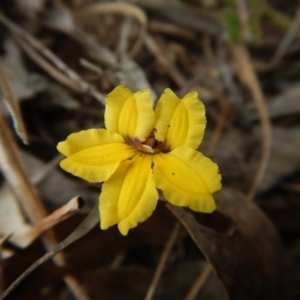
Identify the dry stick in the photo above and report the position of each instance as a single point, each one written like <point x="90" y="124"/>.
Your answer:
<point x="243" y="14"/>
<point x="43" y="171"/>
<point x="116" y="263"/>
<point x="28" y="199"/>
<point x="220" y="124"/>
<point x="124" y="39"/>
<point x="287" y="40"/>
<point x="90" y="66"/>
<point x="183" y="15"/>
<point x="56" y="217"/>
<point x="173" y="72"/>
<point x="45" y="65"/>
<point x="82" y="84"/>
<point x="126" y="9"/>
<point x="162" y="261"/>
<point x="88" y="223"/>
<point x="170" y="29"/>
<point x="2" y="241"/>
<point x="12" y="105"/>
<point x="294" y="187"/>
<point x="199" y="282"/>
<point x="23" y="240"/>
<point x="189" y="84"/>
<point x="247" y="75"/>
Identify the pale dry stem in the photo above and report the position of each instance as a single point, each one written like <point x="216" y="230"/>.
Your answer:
<point x="12" y="105"/>
<point x="88" y="223"/>
<point x="59" y="215"/>
<point x="285" y="44"/>
<point x="82" y="85"/>
<point x="243" y="14"/>
<point x="199" y="282"/>
<point x="164" y="61"/>
<point x="162" y="262"/>
<point x="247" y="75"/>
<point x="220" y="124"/>
<point x="123" y="8"/>
<point x="28" y="198"/>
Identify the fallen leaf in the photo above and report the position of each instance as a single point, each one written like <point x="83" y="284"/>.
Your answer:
<point x="249" y="259"/>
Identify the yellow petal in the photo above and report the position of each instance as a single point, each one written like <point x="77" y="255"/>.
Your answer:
<point x="180" y="122"/>
<point x="187" y="178"/>
<point x="128" y="114"/>
<point x="129" y="196"/>
<point x="94" y="154"/>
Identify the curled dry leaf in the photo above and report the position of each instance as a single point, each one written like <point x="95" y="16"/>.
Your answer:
<point x="249" y="260"/>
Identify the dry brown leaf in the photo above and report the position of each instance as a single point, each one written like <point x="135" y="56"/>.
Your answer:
<point x="249" y="259"/>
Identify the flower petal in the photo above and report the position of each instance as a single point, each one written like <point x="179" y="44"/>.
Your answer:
<point x="129" y="196"/>
<point x="187" y="178"/>
<point x="94" y="154"/>
<point x="179" y="122"/>
<point x="128" y="114"/>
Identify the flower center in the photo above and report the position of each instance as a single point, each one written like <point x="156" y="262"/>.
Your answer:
<point x="150" y="146"/>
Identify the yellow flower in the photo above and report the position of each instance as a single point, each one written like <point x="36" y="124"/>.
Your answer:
<point x="142" y="150"/>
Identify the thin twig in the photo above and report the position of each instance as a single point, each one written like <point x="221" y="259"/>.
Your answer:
<point x="24" y="239"/>
<point x="38" y="46"/>
<point x="247" y="75"/>
<point x="189" y="84"/>
<point x="199" y="282"/>
<point x="49" y="68"/>
<point x="28" y="199"/>
<point x="12" y="105"/>
<point x="64" y="212"/>
<point x="187" y="16"/>
<point x="122" y="48"/>
<point x="156" y="26"/>
<point x="126" y="9"/>
<point x="220" y="124"/>
<point x="287" y="40"/>
<point x="88" y="223"/>
<point x="243" y="14"/>
<point x="90" y="66"/>
<point x="3" y="240"/>
<point x="41" y="173"/>
<point x="163" y="60"/>
<point x="162" y="261"/>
